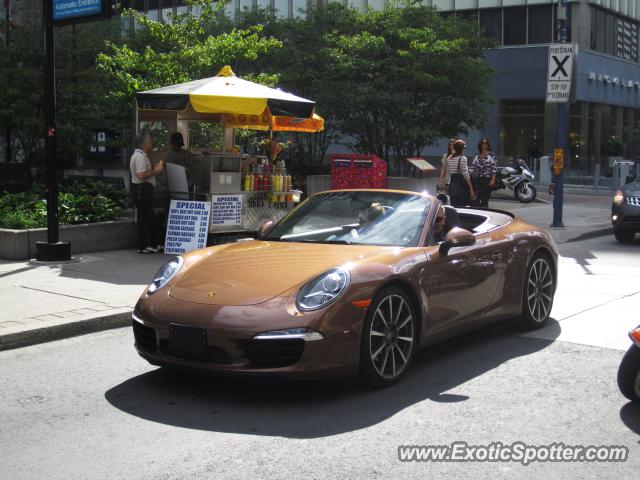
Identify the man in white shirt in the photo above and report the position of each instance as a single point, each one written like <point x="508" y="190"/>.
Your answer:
<point x="142" y="185"/>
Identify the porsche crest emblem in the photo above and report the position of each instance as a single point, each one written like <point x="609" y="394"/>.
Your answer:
<point x="211" y="294"/>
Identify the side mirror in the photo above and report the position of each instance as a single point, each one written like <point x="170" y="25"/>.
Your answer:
<point x="456" y="237"/>
<point x="630" y="178"/>
<point x="264" y="227"/>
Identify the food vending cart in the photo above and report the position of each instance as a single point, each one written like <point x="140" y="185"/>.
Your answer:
<point x="244" y="190"/>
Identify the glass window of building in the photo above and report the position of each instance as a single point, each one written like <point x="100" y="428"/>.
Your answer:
<point x="540" y="24"/>
<point x="522" y="129"/>
<point x="491" y="23"/>
<point x="300" y="8"/>
<point x="515" y="26"/>
<point x="609" y="42"/>
<point x="282" y="8"/>
<point x="600" y="30"/>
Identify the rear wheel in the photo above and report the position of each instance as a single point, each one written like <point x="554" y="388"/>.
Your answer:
<point x="623" y="235"/>
<point x="388" y="338"/>
<point x="537" y="294"/>
<point x="525" y="192"/>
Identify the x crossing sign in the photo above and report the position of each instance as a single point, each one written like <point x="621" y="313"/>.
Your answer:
<point x="560" y="69"/>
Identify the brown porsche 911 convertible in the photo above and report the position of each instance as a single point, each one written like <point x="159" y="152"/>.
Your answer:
<point x="351" y="282"/>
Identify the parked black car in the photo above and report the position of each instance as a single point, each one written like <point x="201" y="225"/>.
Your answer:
<point x="625" y="211"/>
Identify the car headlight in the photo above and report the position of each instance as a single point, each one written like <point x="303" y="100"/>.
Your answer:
<point x="618" y="198"/>
<point x="323" y="289"/>
<point x="164" y="274"/>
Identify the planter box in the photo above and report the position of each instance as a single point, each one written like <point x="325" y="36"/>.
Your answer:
<point x="89" y="237"/>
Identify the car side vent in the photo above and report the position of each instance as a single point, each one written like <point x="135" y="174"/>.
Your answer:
<point x="145" y="337"/>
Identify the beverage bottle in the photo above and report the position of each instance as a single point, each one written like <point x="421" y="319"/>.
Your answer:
<point x="251" y="183"/>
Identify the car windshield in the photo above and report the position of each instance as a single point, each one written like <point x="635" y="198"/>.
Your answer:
<point x="356" y="217"/>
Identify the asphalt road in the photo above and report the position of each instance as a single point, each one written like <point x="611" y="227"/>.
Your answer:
<point x="89" y="407"/>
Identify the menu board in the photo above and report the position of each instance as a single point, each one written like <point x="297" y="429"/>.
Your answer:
<point x="187" y="226"/>
<point x="226" y="210"/>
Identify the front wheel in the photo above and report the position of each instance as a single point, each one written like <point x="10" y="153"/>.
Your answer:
<point x="629" y="374"/>
<point x="537" y="293"/>
<point x="525" y="192"/>
<point x="623" y="236"/>
<point x="388" y="338"/>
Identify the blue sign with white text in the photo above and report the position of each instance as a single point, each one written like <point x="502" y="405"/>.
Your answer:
<point x="68" y="9"/>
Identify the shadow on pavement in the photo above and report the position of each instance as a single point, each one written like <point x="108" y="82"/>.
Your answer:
<point x="318" y="409"/>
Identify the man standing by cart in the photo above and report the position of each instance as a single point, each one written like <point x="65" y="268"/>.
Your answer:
<point x="143" y="182"/>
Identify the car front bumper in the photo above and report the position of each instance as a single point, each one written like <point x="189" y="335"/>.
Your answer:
<point x="627" y="215"/>
<point x="231" y="346"/>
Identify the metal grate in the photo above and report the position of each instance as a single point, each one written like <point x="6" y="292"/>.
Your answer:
<point x="145" y="337"/>
<point x="635" y="201"/>
<point x="275" y="352"/>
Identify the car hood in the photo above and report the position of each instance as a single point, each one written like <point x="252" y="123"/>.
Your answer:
<point x="633" y="189"/>
<point x="248" y="273"/>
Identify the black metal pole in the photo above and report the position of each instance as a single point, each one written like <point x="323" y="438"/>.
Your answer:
<point x="7" y="132"/>
<point x="53" y="250"/>
<point x="561" y="133"/>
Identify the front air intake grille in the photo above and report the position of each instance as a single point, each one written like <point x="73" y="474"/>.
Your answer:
<point x="212" y="354"/>
<point x="145" y="337"/>
<point x="631" y="220"/>
<point x="635" y="201"/>
<point x="272" y="353"/>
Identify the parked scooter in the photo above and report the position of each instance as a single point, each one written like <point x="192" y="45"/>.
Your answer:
<point x="518" y="180"/>
<point x="629" y="370"/>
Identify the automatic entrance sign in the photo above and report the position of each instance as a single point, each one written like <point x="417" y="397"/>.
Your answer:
<point x="559" y="75"/>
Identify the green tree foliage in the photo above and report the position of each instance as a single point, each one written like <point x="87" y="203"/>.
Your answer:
<point x="21" y="94"/>
<point x="78" y="93"/>
<point x="391" y="82"/>
<point x="190" y="46"/>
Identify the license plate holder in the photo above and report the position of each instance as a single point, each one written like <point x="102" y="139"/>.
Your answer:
<point x="185" y="338"/>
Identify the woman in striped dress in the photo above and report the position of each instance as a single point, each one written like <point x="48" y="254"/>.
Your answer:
<point x="457" y="163"/>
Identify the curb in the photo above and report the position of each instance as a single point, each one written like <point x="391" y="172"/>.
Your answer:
<point x="64" y="330"/>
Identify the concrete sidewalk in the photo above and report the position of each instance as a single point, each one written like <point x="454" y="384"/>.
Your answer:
<point x="99" y="290"/>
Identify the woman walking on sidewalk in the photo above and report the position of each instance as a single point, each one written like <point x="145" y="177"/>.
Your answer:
<point x="455" y="175"/>
<point x="484" y="168"/>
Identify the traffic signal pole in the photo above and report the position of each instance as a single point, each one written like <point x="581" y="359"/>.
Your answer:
<point x="52" y="250"/>
<point x="561" y="132"/>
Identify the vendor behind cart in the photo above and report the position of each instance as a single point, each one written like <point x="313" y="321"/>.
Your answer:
<point x="195" y="168"/>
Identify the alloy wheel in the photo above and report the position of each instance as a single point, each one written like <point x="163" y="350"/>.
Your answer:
<point x="540" y="290"/>
<point x="391" y="336"/>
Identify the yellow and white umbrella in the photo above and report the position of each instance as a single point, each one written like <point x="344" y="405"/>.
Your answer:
<point x="228" y="94"/>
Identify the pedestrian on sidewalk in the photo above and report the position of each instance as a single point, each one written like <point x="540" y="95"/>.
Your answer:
<point x="441" y="185"/>
<point x="455" y="175"/>
<point x="484" y="168"/>
<point x="143" y="183"/>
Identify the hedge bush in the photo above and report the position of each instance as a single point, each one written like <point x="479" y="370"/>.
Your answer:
<point x="87" y="202"/>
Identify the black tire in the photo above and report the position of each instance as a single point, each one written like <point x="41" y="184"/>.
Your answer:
<point x="629" y="374"/>
<point x="624" y="235"/>
<point x="385" y="355"/>
<point x="525" y="192"/>
<point x="537" y="293"/>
